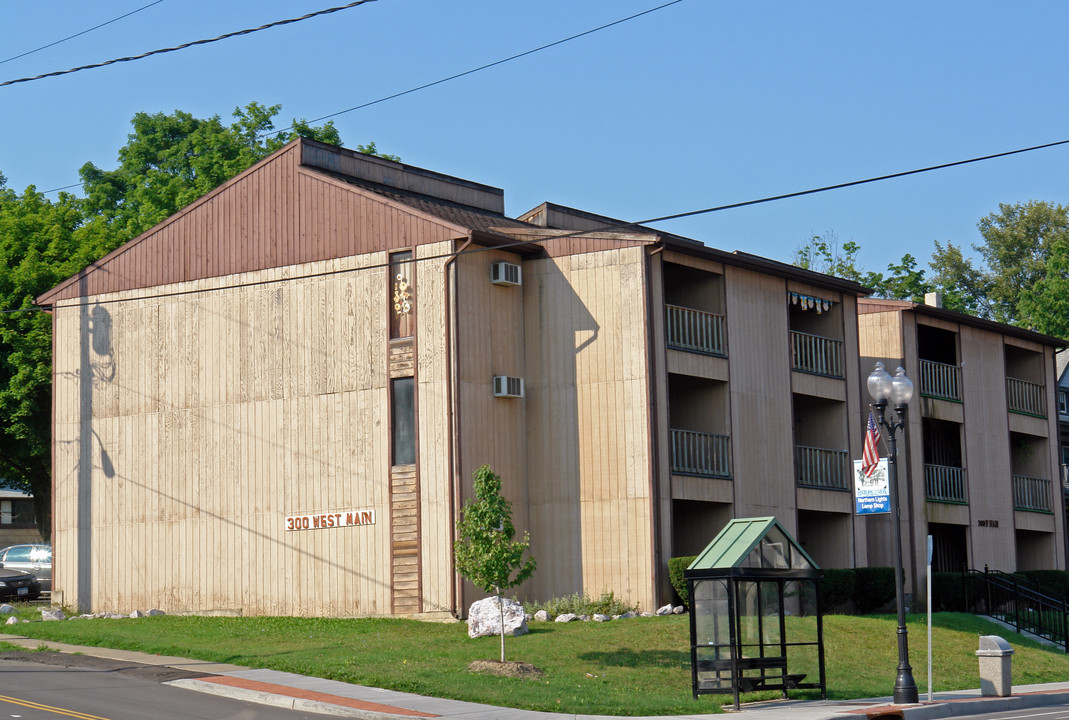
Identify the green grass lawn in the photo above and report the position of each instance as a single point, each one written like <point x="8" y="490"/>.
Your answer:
<point x="625" y="667"/>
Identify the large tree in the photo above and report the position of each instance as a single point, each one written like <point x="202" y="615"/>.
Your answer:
<point x="41" y="243"/>
<point x="1022" y="278"/>
<point x="171" y="160"/>
<point x="825" y="254"/>
<point x="168" y="162"/>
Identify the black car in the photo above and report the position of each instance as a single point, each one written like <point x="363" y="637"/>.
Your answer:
<point x="18" y="585"/>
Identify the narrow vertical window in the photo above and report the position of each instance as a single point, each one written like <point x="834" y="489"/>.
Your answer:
<point x="402" y="295"/>
<point x="403" y="405"/>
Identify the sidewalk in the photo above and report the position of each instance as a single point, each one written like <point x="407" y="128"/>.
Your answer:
<point x="330" y="697"/>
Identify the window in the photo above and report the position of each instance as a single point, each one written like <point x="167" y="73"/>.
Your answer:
<point x="16" y="512"/>
<point x="403" y="405"/>
<point x="1063" y="402"/>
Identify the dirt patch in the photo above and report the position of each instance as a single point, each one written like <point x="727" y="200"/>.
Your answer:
<point x="505" y="669"/>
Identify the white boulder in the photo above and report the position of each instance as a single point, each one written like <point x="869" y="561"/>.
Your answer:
<point x="542" y="616"/>
<point x="565" y="617"/>
<point x="665" y="610"/>
<point x="52" y="615"/>
<point x="484" y="618"/>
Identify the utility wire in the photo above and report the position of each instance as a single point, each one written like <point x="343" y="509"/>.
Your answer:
<point x="189" y="44"/>
<point x="603" y="228"/>
<point x="486" y="66"/>
<point x="83" y="32"/>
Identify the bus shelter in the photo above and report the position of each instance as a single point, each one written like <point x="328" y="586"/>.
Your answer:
<point x="755" y="616"/>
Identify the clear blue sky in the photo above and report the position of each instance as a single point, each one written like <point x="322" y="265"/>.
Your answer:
<point x="696" y="105"/>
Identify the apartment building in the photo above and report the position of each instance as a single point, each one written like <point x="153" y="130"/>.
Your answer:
<point x="274" y="401"/>
<point x="981" y="464"/>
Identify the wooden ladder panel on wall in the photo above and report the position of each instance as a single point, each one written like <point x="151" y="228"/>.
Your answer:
<point x="404" y="540"/>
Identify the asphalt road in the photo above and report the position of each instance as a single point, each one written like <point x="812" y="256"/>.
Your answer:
<point x="47" y="685"/>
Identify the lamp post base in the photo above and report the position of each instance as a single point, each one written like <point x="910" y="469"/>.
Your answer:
<point x="905" y="688"/>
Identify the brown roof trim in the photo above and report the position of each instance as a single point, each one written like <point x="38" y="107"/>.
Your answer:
<point x="769" y="267"/>
<point x="46" y="298"/>
<point x="878" y="305"/>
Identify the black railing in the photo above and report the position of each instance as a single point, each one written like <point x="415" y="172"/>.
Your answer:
<point x="940" y="380"/>
<point x="1018" y="602"/>
<point x="698" y="453"/>
<point x="694" y="330"/>
<point x="817" y="354"/>
<point x="821" y="468"/>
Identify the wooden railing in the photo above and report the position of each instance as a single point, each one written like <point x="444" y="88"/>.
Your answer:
<point x="817" y="354"/>
<point x="821" y="468"/>
<point x="694" y="330"/>
<point x="944" y="483"/>
<point x="1024" y="397"/>
<point x="940" y="380"/>
<point x="698" y="453"/>
<point x="1031" y="493"/>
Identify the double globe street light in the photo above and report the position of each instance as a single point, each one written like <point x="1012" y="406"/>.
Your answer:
<point x="899" y="390"/>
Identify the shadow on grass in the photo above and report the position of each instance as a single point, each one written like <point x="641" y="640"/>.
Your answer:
<point x="625" y="657"/>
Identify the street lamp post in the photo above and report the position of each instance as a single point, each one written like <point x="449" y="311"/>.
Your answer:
<point x="899" y="389"/>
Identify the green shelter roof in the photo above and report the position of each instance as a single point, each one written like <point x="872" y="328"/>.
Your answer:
<point x="759" y="544"/>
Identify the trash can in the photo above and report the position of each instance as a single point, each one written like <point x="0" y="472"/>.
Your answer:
<point x="995" y="655"/>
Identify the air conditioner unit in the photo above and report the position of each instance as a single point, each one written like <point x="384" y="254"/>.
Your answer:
<point x="510" y="387"/>
<point x="505" y="273"/>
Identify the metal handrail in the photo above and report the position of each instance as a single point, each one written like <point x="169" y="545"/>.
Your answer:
<point x="694" y="330"/>
<point x="817" y="354"/>
<point x="698" y="453"/>
<point x="940" y="380"/>
<point x="1019" y="602"/>
<point x="944" y="483"/>
<point x="821" y="468"/>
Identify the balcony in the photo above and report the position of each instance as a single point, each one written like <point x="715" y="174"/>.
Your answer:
<point x="944" y="483"/>
<point x="939" y="380"/>
<point x="698" y="453"/>
<point x="694" y="330"/>
<point x="817" y="354"/>
<point x="1031" y="493"/>
<point x="821" y="468"/>
<point x="1025" y="398"/>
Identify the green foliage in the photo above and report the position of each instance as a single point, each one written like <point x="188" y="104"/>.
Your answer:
<point x="606" y="604"/>
<point x="485" y="551"/>
<point x="1053" y="582"/>
<point x="676" y="566"/>
<point x="837" y="588"/>
<point x="874" y="587"/>
<point x="41" y="243"/>
<point x="824" y="254"/>
<point x="1024" y="271"/>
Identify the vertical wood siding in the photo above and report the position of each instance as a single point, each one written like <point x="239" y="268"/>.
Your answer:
<point x="588" y="425"/>
<point x="214" y="415"/>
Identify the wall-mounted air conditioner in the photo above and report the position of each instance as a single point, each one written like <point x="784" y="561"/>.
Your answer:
<point x="509" y="387"/>
<point x="505" y="273"/>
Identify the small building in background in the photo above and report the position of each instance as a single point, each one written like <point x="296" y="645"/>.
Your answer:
<point x="18" y="523"/>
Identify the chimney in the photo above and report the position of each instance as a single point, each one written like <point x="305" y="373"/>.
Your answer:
<point x="935" y="299"/>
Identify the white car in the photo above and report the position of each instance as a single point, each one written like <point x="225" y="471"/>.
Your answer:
<point x="34" y="559"/>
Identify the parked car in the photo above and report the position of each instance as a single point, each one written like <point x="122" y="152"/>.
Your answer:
<point x="31" y="558"/>
<point x="18" y="585"/>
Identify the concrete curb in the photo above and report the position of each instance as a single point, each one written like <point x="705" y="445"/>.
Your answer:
<point x="957" y="708"/>
<point x="283" y="701"/>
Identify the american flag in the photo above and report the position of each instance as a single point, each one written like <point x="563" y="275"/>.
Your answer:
<point x="870" y="457"/>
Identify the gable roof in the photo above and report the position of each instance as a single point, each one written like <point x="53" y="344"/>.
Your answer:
<point x="878" y="305"/>
<point x="306" y="202"/>
<point x="751" y="546"/>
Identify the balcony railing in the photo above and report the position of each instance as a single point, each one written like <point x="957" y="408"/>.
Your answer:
<point x="820" y="468"/>
<point x="1024" y="397"/>
<point x="694" y="330"/>
<point x="698" y="453"/>
<point x="944" y="483"/>
<point x="939" y="380"/>
<point x="817" y="354"/>
<point x="1031" y="493"/>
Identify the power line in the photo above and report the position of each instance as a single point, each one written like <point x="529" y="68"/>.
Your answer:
<point x="188" y="45"/>
<point x="83" y="32"/>
<point x="486" y="66"/>
<point x="603" y="228"/>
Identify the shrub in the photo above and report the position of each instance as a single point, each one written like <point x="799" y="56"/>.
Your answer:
<point x="1053" y="582"/>
<point x="874" y="587"/>
<point x="676" y="566"/>
<point x="837" y="588"/>
<point x="607" y="604"/>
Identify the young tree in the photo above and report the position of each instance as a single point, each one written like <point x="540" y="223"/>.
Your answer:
<point x="485" y="551"/>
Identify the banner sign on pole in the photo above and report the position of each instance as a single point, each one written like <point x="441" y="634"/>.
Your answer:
<point x="872" y="493"/>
